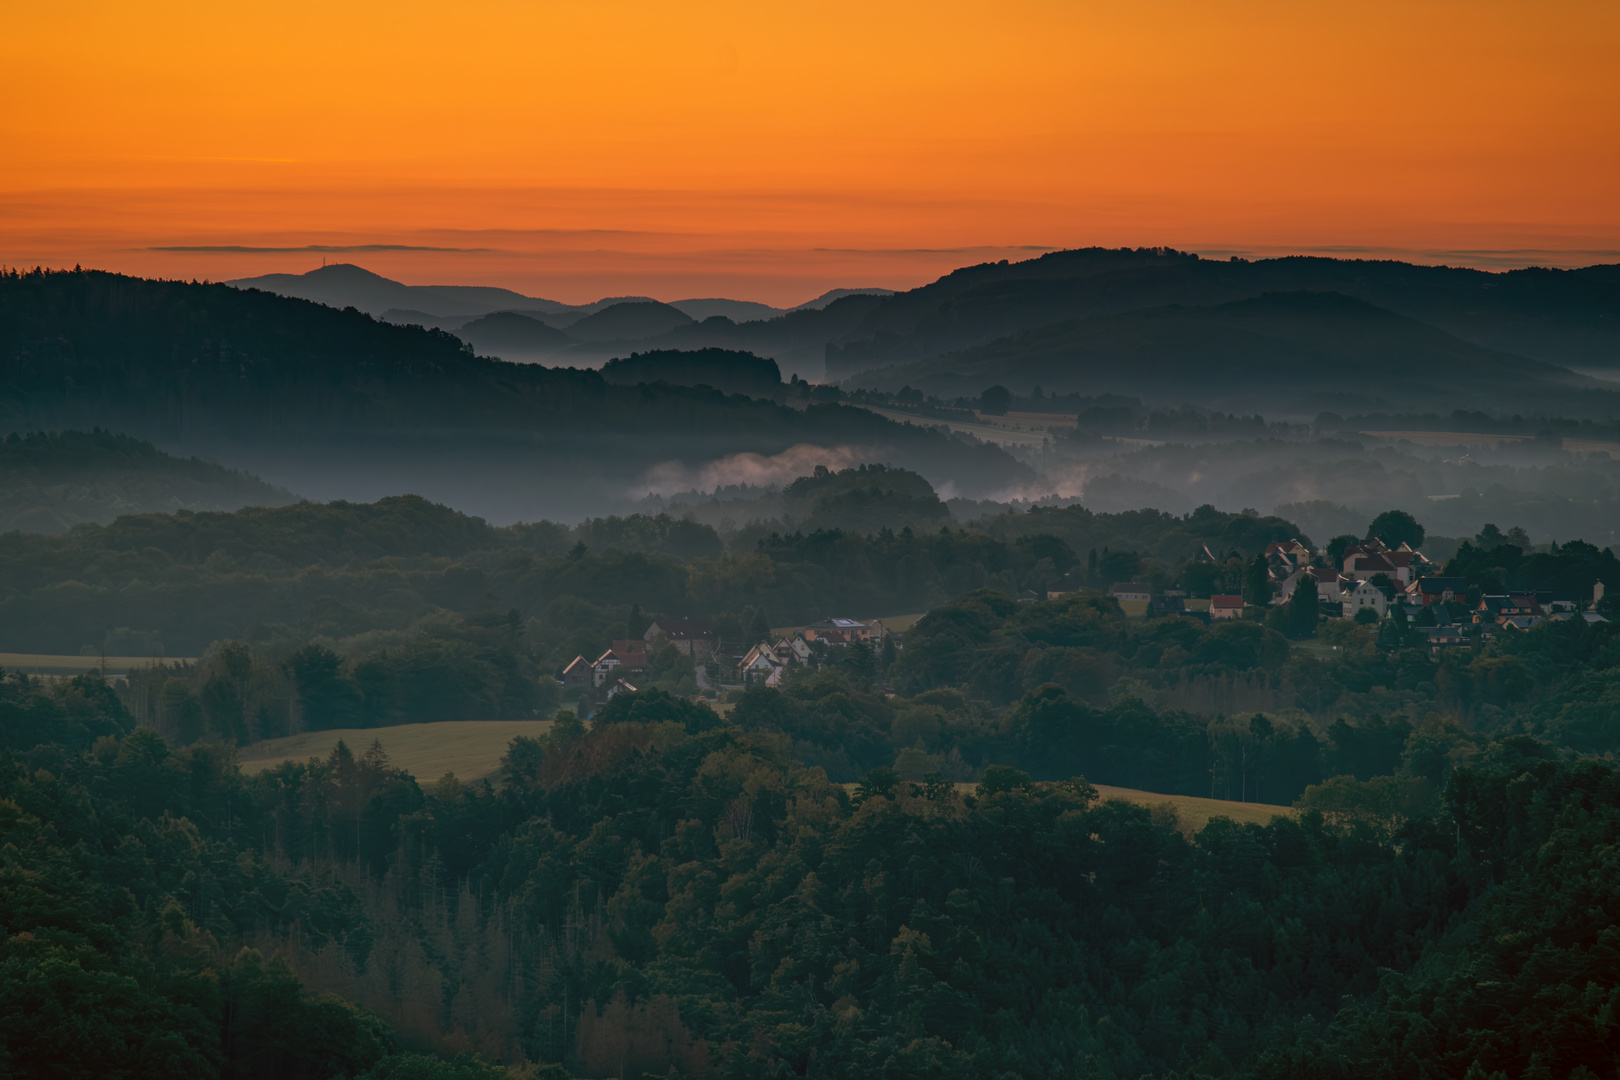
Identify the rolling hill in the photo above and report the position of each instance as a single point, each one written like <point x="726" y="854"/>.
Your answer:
<point x="512" y="336"/>
<point x="52" y="482"/>
<point x="1568" y="317"/>
<point x="343" y="285"/>
<point x="334" y="404"/>
<point x="1565" y="317"/>
<point x="631" y="320"/>
<point x="1287" y="352"/>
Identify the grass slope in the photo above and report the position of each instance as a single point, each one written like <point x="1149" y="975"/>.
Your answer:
<point x="1194" y="813"/>
<point x="471" y="749"/>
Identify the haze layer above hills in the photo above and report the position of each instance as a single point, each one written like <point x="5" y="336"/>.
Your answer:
<point x="1281" y="353"/>
<point x="334" y="404"/>
<point x="50" y="483"/>
<point x="460" y="308"/>
<point x="1569" y="318"/>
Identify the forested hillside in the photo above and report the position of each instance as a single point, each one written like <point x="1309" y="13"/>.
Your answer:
<point x="1563" y="317"/>
<point x="1289" y="353"/>
<point x="340" y="569"/>
<point x="52" y="481"/>
<point x="666" y="892"/>
<point x="333" y="402"/>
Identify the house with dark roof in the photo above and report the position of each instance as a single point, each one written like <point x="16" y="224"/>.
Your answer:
<point x="694" y="637"/>
<point x="835" y="630"/>
<point x="1427" y="591"/>
<point x="578" y="675"/>
<point x="1440" y="638"/>
<point x="1131" y="591"/>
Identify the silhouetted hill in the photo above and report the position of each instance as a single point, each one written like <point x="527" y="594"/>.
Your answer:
<point x="337" y="405"/>
<point x="1569" y="317"/>
<point x="511" y="336"/>
<point x="628" y="321"/>
<point x="724" y="369"/>
<point x="346" y="285"/>
<point x="1280" y="351"/>
<point x="735" y="310"/>
<point x="838" y="294"/>
<point x="50" y="482"/>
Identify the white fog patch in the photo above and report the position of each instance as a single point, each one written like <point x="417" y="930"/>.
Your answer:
<point x="1067" y="482"/>
<point x="758" y="470"/>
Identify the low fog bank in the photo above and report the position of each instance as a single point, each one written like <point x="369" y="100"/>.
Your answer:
<point x="1328" y="478"/>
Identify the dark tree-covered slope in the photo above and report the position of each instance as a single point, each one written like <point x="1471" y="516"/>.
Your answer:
<point x="335" y="404"/>
<point x="1282" y="351"/>
<point x="50" y="482"/>
<point x="1568" y="317"/>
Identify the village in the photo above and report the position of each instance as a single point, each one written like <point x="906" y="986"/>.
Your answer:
<point x="1373" y="584"/>
<point x="1369" y="584"/>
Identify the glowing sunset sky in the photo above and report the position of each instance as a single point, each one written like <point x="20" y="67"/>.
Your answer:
<point x="770" y="151"/>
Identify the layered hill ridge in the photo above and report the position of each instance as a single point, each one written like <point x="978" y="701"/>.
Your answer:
<point x="334" y="404"/>
<point x="1565" y="317"/>
<point x="50" y="482"/>
<point x="1568" y="317"/>
<point x="1287" y="352"/>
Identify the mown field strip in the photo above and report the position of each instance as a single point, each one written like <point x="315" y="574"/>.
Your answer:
<point x="471" y="749"/>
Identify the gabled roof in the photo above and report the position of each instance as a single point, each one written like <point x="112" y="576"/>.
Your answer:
<point x="577" y="662"/>
<point x="1376" y="563"/>
<point x="1324" y="574"/>
<point x="1226" y="601"/>
<point x="682" y="629"/>
<point x="835" y="623"/>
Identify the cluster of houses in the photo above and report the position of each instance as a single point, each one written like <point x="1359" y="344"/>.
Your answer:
<point x="1373" y="577"/>
<point x="617" y="670"/>
<point x="612" y="673"/>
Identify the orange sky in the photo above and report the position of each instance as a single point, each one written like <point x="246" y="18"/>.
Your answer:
<point x="770" y="151"/>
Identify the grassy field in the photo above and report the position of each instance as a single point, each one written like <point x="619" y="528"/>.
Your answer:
<point x="46" y="664"/>
<point x="1194" y="812"/>
<point x="471" y="749"/>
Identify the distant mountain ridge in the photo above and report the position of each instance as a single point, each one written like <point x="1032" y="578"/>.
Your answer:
<point x="585" y="339"/>
<point x="335" y="404"/>
<point x="1296" y="352"/>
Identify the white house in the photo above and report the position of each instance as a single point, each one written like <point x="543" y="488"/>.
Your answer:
<point x="1365" y="596"/>
<point x="1329" y="585"/>
<point x="759" y="664"/>
<point x="1225" y="607"/>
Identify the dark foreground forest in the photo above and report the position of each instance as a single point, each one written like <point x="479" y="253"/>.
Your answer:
<point x="670" y="894"/>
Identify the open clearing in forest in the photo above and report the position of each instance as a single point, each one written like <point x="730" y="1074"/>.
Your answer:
<point x="471" y="749"/>
<point x="1194" y="812"/>
<point x="48" y="664"/>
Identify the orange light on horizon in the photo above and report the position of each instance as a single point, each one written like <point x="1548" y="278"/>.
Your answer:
<point x="769" y="152"/>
